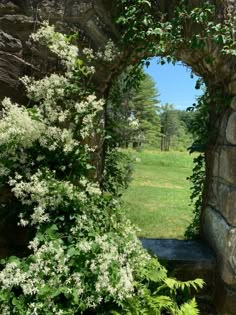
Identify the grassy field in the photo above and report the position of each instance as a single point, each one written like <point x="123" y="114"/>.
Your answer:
<point x="157" y="200"/>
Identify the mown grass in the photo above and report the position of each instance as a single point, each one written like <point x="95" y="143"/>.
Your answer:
<point x="157" y="200"/>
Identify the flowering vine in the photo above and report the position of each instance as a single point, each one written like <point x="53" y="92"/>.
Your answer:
<point x="84" y="255"/>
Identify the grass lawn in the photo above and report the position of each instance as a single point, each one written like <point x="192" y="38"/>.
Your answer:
<point x="157" y="200"/>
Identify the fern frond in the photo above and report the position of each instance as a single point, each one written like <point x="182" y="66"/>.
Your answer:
<point x="174" y="284"/>
<point x="189" y="308"/>
<point x="162" y="302"/>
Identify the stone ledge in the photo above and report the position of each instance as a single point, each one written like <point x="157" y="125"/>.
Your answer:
<point x="181" y="251"/>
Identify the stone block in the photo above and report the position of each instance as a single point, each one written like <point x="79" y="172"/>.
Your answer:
<point x="9" y="43"/>
<point x="231" y="129"/>
<point x="224" y="165"/>
<point x="212" y="200"/>
<point x="181" y="251"/>
<point x="233" y="103"/>
<point x="232" y="87"/>
<point x="222" y="238"/>
<point x="216" y="163"/>
<point x="223" y="126"/>
<point x="223" y="198"/>
<point x="227" y="164"/>
<point x="10" y="70"/>
<point x="8" y="8"/>
<point x="16" y="24"/>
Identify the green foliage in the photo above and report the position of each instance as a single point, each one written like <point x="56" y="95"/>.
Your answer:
<point x="197" y="179"/>
<point x="161" y="295"/>
<point x="83" y="245"/>
<point x="175" y="129"/>
<point x="145" y="105"/>
<point x="143" y="23"/>
<point x="201" y="132"/>
<point x="165" y="37"/>
<point x="117" y="173"/>
<point x="84" y="255"/>
<point x="132" y="115"/>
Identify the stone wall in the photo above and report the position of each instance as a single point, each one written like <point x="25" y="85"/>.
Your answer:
<point x="219" y="217"/>
<point x="19" y="56"/>
<point x="94" y="19"/>
<point x="19" y="18"/>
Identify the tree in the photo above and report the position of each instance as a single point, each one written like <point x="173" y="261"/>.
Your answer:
<point x="118" y="110"/>
<point x="175" y="128"/>
<point x="84" y="255"/>
<point x="145" y="106"/>
<point x="169" y="125"/>
<point x="132" y="110"/>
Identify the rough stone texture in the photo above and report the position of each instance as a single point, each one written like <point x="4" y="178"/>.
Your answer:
<point x="232" y="87"/>
<point x="225" y="299"/>
<point x="219" y="218"/>
<point x="225" y="164"/>
<point x="221" y="127"/>
<point x="233" y="103"/>
<point x="223" y="198"/>
<point x="222" y="237"/>
<point x="19" y="18"/>
<point x="231" y="129"/>
<point x="9" y="43"/>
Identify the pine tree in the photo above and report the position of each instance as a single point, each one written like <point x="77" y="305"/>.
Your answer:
<point x="132" y="112"/>
<point x="175" y="128"/>
<point x="145" y="106"/>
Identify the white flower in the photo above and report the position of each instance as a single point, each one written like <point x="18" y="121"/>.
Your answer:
<point x="58" y="44"/>
<point x="109" y="53"/>
<point x="39" y="216"/>
<point x="17" y="126"/>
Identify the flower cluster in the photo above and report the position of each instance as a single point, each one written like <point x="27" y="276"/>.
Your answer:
<point x="84" y="249"/>
<point x="103" y="249"/>
<point x="109" y="53"/>
<point x="17" y="127"/>
<point x="58" y="44"/>
<point x="84" y="253"/>
<point x="87" y="110"/>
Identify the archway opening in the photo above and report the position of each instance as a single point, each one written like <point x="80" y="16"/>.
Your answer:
<point x="158" y="198"/>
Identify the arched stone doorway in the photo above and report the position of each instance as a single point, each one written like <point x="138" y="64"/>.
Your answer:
<point x="95" y="20"/>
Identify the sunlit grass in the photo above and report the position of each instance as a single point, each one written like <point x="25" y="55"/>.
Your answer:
<point x="157" y="200"/>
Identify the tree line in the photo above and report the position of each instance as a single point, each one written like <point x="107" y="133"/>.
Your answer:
<point x="136" y="117"/>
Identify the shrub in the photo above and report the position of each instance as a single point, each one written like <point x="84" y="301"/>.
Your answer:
<point x="84" y="257"/>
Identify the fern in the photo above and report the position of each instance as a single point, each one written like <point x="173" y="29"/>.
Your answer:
<point x="156" y="294"/>
<point x="174" y="284"/>
<point x="189" y="308"/>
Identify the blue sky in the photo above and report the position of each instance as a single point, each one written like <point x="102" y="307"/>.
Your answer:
<point x="174" y="84"/>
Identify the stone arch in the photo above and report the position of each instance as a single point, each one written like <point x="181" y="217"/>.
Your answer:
<point x="95" y="20"/>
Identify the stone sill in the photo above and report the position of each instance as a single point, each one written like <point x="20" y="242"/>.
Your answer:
<point x="181" y="251"/>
